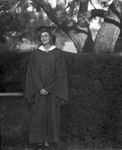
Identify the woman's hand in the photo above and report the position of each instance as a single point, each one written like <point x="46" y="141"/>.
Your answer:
<point x="43" y="92"/>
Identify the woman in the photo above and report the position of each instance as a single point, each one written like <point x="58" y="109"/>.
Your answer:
<point x="46" y="89"/>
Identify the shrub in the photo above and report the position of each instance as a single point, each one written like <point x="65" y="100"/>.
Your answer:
<point x="94" y="110"/>
<point x="95" y="87"/>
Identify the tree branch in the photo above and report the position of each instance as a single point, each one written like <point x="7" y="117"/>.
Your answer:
<point x="92" y="4"/>
<point x="59" y="17"/>
<point x="98" y="12"/>
<point x="85" y="18"/>
<point x="83" y="6"/>
<point x="47" y="8"/>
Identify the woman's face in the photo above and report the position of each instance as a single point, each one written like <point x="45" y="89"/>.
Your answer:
<point x="45" y="38"/>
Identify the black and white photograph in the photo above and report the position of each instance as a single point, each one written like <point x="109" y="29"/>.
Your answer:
<point x="61" y="74"/>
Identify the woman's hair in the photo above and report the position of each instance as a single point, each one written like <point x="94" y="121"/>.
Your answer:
<point x="52" y="39"/>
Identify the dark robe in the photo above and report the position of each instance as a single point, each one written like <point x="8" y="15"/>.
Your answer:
<point x="46" y="70"/>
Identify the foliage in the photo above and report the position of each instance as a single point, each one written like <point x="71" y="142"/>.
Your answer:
<point x="93" y="113"/>
<point x="12" y="21"/>
<point x="95" y="87"/>
<point x="14" y="126"/>
<point x="11" y="73"/>
<point x="74" y="19"/>
<point x="18" y="24"/>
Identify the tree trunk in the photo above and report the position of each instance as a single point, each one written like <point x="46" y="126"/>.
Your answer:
<point x="82" y="40"/>
<point x="108" y="34"/>
<point x="78" y="31"/>
<point x="118" y="46"/>
<point x="78" y="40"/>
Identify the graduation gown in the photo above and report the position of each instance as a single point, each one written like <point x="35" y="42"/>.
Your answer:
<point x="46" y="70"/>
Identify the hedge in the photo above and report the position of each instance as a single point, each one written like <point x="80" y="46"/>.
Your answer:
<point x="94" y="111"/>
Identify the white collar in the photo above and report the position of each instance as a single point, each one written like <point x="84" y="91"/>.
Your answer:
<point x="43" y="49"/>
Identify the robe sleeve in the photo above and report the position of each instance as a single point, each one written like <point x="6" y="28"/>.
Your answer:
<point x="58" y="84"/>
<point x="33" y="83"/>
